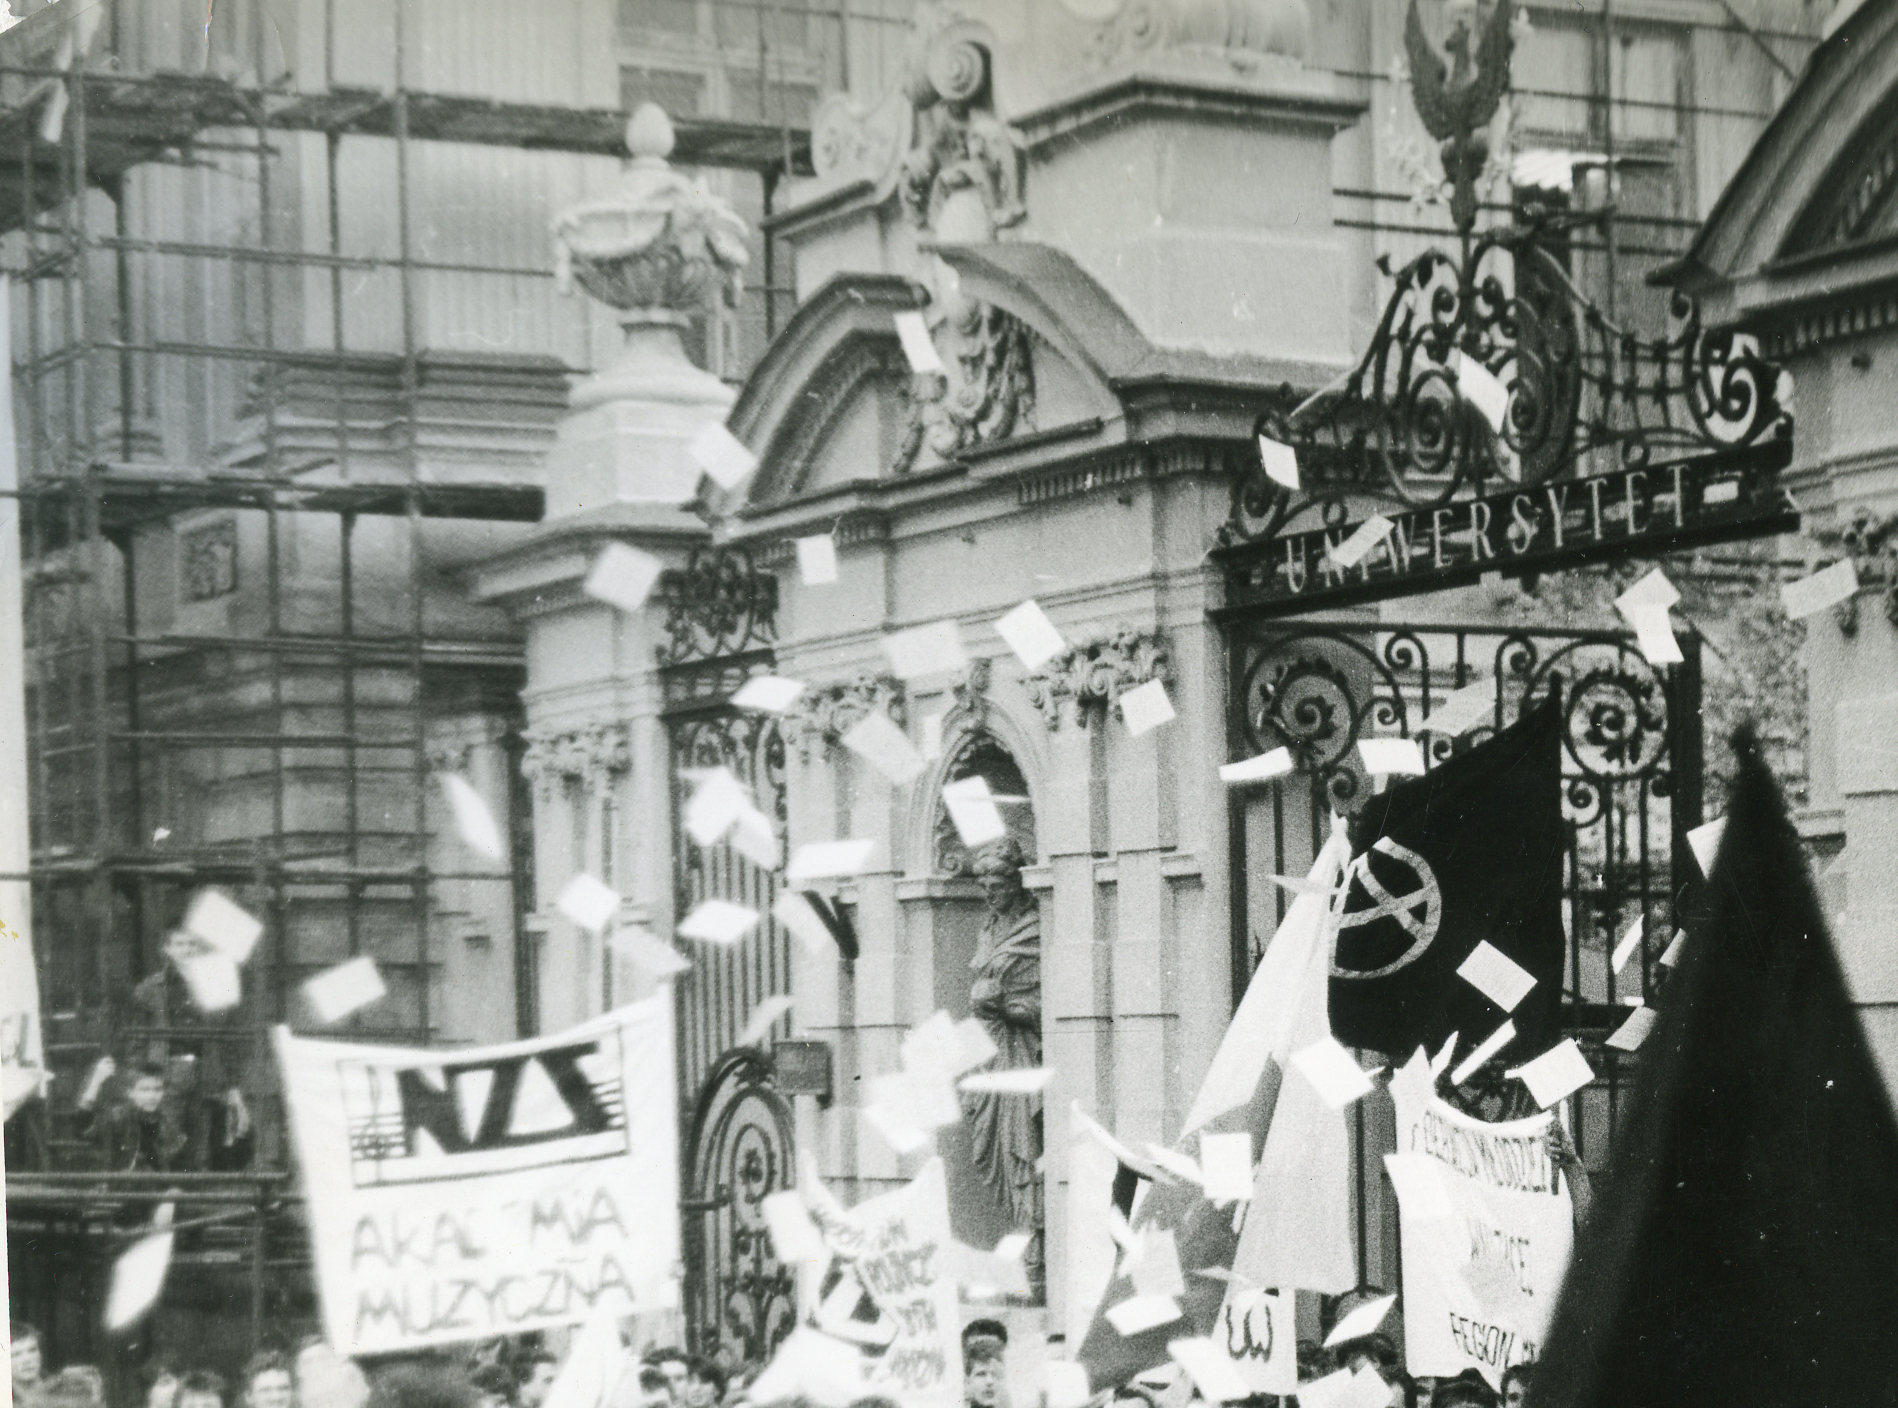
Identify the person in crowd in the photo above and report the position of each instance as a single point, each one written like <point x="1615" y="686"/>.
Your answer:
<point x="268" y="1382"/>
<point x="203" y="1059"/>
<point x="138" y="1135"/>
<point x="431" y="1385"/>
<point x="202" y="1389"/>
<point x="29" y="1363"/>
<point x="159" y="1379"/>
<point x="325" y="1379"/>
<point x="982" y="1374"/>
<point x="1466" y="1390"/>
<point x="670" y="1361"/>
<point x="983" y="1328"/>
<point x="1378" y="1352"/>
<point x="1562" y="1154"/>
<point x="704" y="1384"/>
<point x="1516" y="1384"/>
<point x="75" y="1386"/>
<point x="495" y="1385"/>
<point x="538" y="1373"/>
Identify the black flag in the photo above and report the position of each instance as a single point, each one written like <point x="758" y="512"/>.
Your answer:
<point x="1470" y="852"/>
<point x="1742" y="1249"/>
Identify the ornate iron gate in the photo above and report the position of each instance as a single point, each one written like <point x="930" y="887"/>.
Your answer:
<point x="721" y="625"/>
<point x="1631" y="792"/>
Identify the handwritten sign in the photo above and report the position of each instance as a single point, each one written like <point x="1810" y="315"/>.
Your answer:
<point x="897" y="1247"/>
<point x="1257" y="1332"/>
<point x="457" y="1195"/>
<point x="1485" y="1252"/>
<point x="1629" y="513"/>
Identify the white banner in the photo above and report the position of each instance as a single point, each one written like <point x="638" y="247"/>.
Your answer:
<point x="1257" y="1331"/>
<point x="895" y="1247"/>
<point x="460" y="1194"/>
<point x="1486" y="1232"/>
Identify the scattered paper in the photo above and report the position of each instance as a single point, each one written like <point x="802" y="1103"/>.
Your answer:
<point x="754" y="838"/>
<point x="1704" y="841"/>
<point x="971" y="1046"/>
<point x="1333" y="1072"/>
<point x="1096" y="1131"/>
<point x="894" y="1127"/>
<point x="1027" y="1080"/>
<point x="137" y="1278"/>
<point x="919" y="349"/>
<point x="829" y="860"/>
<point x="1355" y="548"/>
<point x="1652" y="590"/>
<point x="722" y="455"/>
<point x="1631" y="1033"/>
<point x="1065" y="1384"/>
<point x="932" y="734"/>
<point x="1419" y="1188"/>
<point x="1142" y="1313"/>
<point x="641" y="946"/>
<point x="623" y="577"/>
<point x="211" y="979"/>
<point x="1280" y="462"/>
<point x="1181" y="1166"/>
<point x="1225" y="1164"/>
<point x="817" y="560"/>
<point x="1361" y="1321"/>
<point x="763" y="1017"/>
<point x="344" y="989"/>
<point x="718" y="922"/>
<point x="1146" y="707"/>
<point x="715" y="806"/>
<point x="922" y="651"/>
<point x="1210" y="1368"/>
<point x="1156" y="1274"/>
<point x="768" y="694"/>
<point x="1031" y="635"/>
<point x="1827" y="587"/>
<point x="1630" y="941"/>
<point x="1655" y="635"/>
<point x="1672" y="954"/>
<point x="223" y="925"/>
<point x="587" y="902"/>
<point x="1478" y="385"/>
<point x="473" y="820"/>
<point x="1391" y="755"/>
<point x="794" y="1236"/>
<point x="973" y="811"/>
<point x="1489" y="1046"/>
<point x="886" y="748"/>
<point x="1459" y="712"/>
<point x="1276" y="763"/>
<point x="805" y="924"/>
<point x="1441" y="1061"/>
<point x="1557" y="1073"/>
<point x="1496" y="975"/>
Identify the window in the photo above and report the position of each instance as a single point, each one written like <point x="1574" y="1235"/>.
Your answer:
<point x="680" y="94"/>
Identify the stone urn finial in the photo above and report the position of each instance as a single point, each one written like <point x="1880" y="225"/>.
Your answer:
<point x="655" y="249"/>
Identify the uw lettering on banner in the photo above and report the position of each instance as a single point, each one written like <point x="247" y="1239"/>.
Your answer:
<point x="1479" y="1284"/>
<point x="460" y="1195"/>
<point x="1257" y="1331"/>
<point x="895" y="1246"/>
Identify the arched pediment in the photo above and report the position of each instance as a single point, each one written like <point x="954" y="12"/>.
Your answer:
<point x="833" y="401"/>
<point x="1823" y="178"/>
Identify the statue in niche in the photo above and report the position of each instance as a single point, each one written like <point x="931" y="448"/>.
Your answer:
<point x="1005" y="1135"/>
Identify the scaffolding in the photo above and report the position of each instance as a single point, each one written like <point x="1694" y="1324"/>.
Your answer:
<point x="247" y="477"/>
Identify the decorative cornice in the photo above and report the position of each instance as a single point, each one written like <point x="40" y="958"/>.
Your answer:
<point x="1871" y="540"/>
<point x="590" y="755"/>
<point x="1094" y="674"/>
<point x="827" y="713"/>
<point x="971" y="694"/>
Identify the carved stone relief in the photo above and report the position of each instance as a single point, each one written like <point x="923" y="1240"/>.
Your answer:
<point x="1092" y="675"/>
<point x="589" y="755"/>
<point x="825" y="714"/>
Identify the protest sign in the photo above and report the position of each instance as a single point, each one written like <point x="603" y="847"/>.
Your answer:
<point x="457" y="1195"/>
<point x="1483" y="1263"/>
<point x="1257" y="1332"/>
<point x="897" y="1247"/>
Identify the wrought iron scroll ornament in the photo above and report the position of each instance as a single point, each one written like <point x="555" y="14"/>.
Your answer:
<point x="718" y="604"/>
<point x="1094" y="674"/>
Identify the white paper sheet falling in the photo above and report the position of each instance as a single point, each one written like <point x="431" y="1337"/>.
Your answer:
<point x="1065" y="1384"/>
<point x="722" y="455"/>
<point x="817" y="560"/>
<point x="754" y="838"/>
<point x="718" y="922"/>
<point x="1704" y="841"/>
<point x="794" y="912"/>
<point x="1391" y="756"/>
<point x="623" y="577"/>
<point x="1333" y="1072"/>
<point x="1827" y="587"/>
<point x="1030" y="1080"/>
<point x="763" y="1017"/>
<point x="793" y="1235"/>
<point x="641" y="946"/>
<point x="1280" y="462"/>
<point x="1478" y="385"/>
<point x="1145" y="707"/>
<point x="886" y="748"/>
<point x="1459" y="712"/>
<point x="1632" y="1032"/>
<point x="137" y="1278"/>
<point x="829" y="860"/>
<point x="932" y="734"/>
<point x="1225" y="1163"/>
<point x="1654" y="633"/>
<point x="768" y="694"/>
<point x="1557" y="1073"/>
<point x="587" y="902"/>
<point x="1485" y="1049"/>
<point x="222" y="924"/>
<point x="1630" y="941"/>
<point x="348" y="987"/>
<point x="473" y="821"/>
<point x="1157" y="1271"/>
<point x="714" y="806"/>
<point x="1266" y="766"/>
<point x="1357" y="547"/>
<point x="1139" y="1314"/>
<point x="972" y="810"/>
<point x="1496" y="975"/>
<point x="1210" y="1368"/>
<point x="1652" y="590"/>
<point x="212" y="980"/>
<point x="1360" y="1321"/>
<point x="922" y="651"/>
<point x="1672" y="953"/>
<point x="919" y="349"/>
<point x="1031" y="635"/>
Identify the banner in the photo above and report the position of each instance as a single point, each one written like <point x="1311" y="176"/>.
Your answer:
<point x="1259" y="1334"/>
<point x="1486" y="1232"/>
<point x="894" y="1247"/>
<point x="456" y="1195"/>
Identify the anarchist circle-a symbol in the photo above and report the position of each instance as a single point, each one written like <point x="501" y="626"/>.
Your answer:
<point x="1383" y="917"/>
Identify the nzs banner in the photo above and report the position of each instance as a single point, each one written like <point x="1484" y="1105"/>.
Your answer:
<point x="1487" y="1231"/>
<point x="456" y="1195"/>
